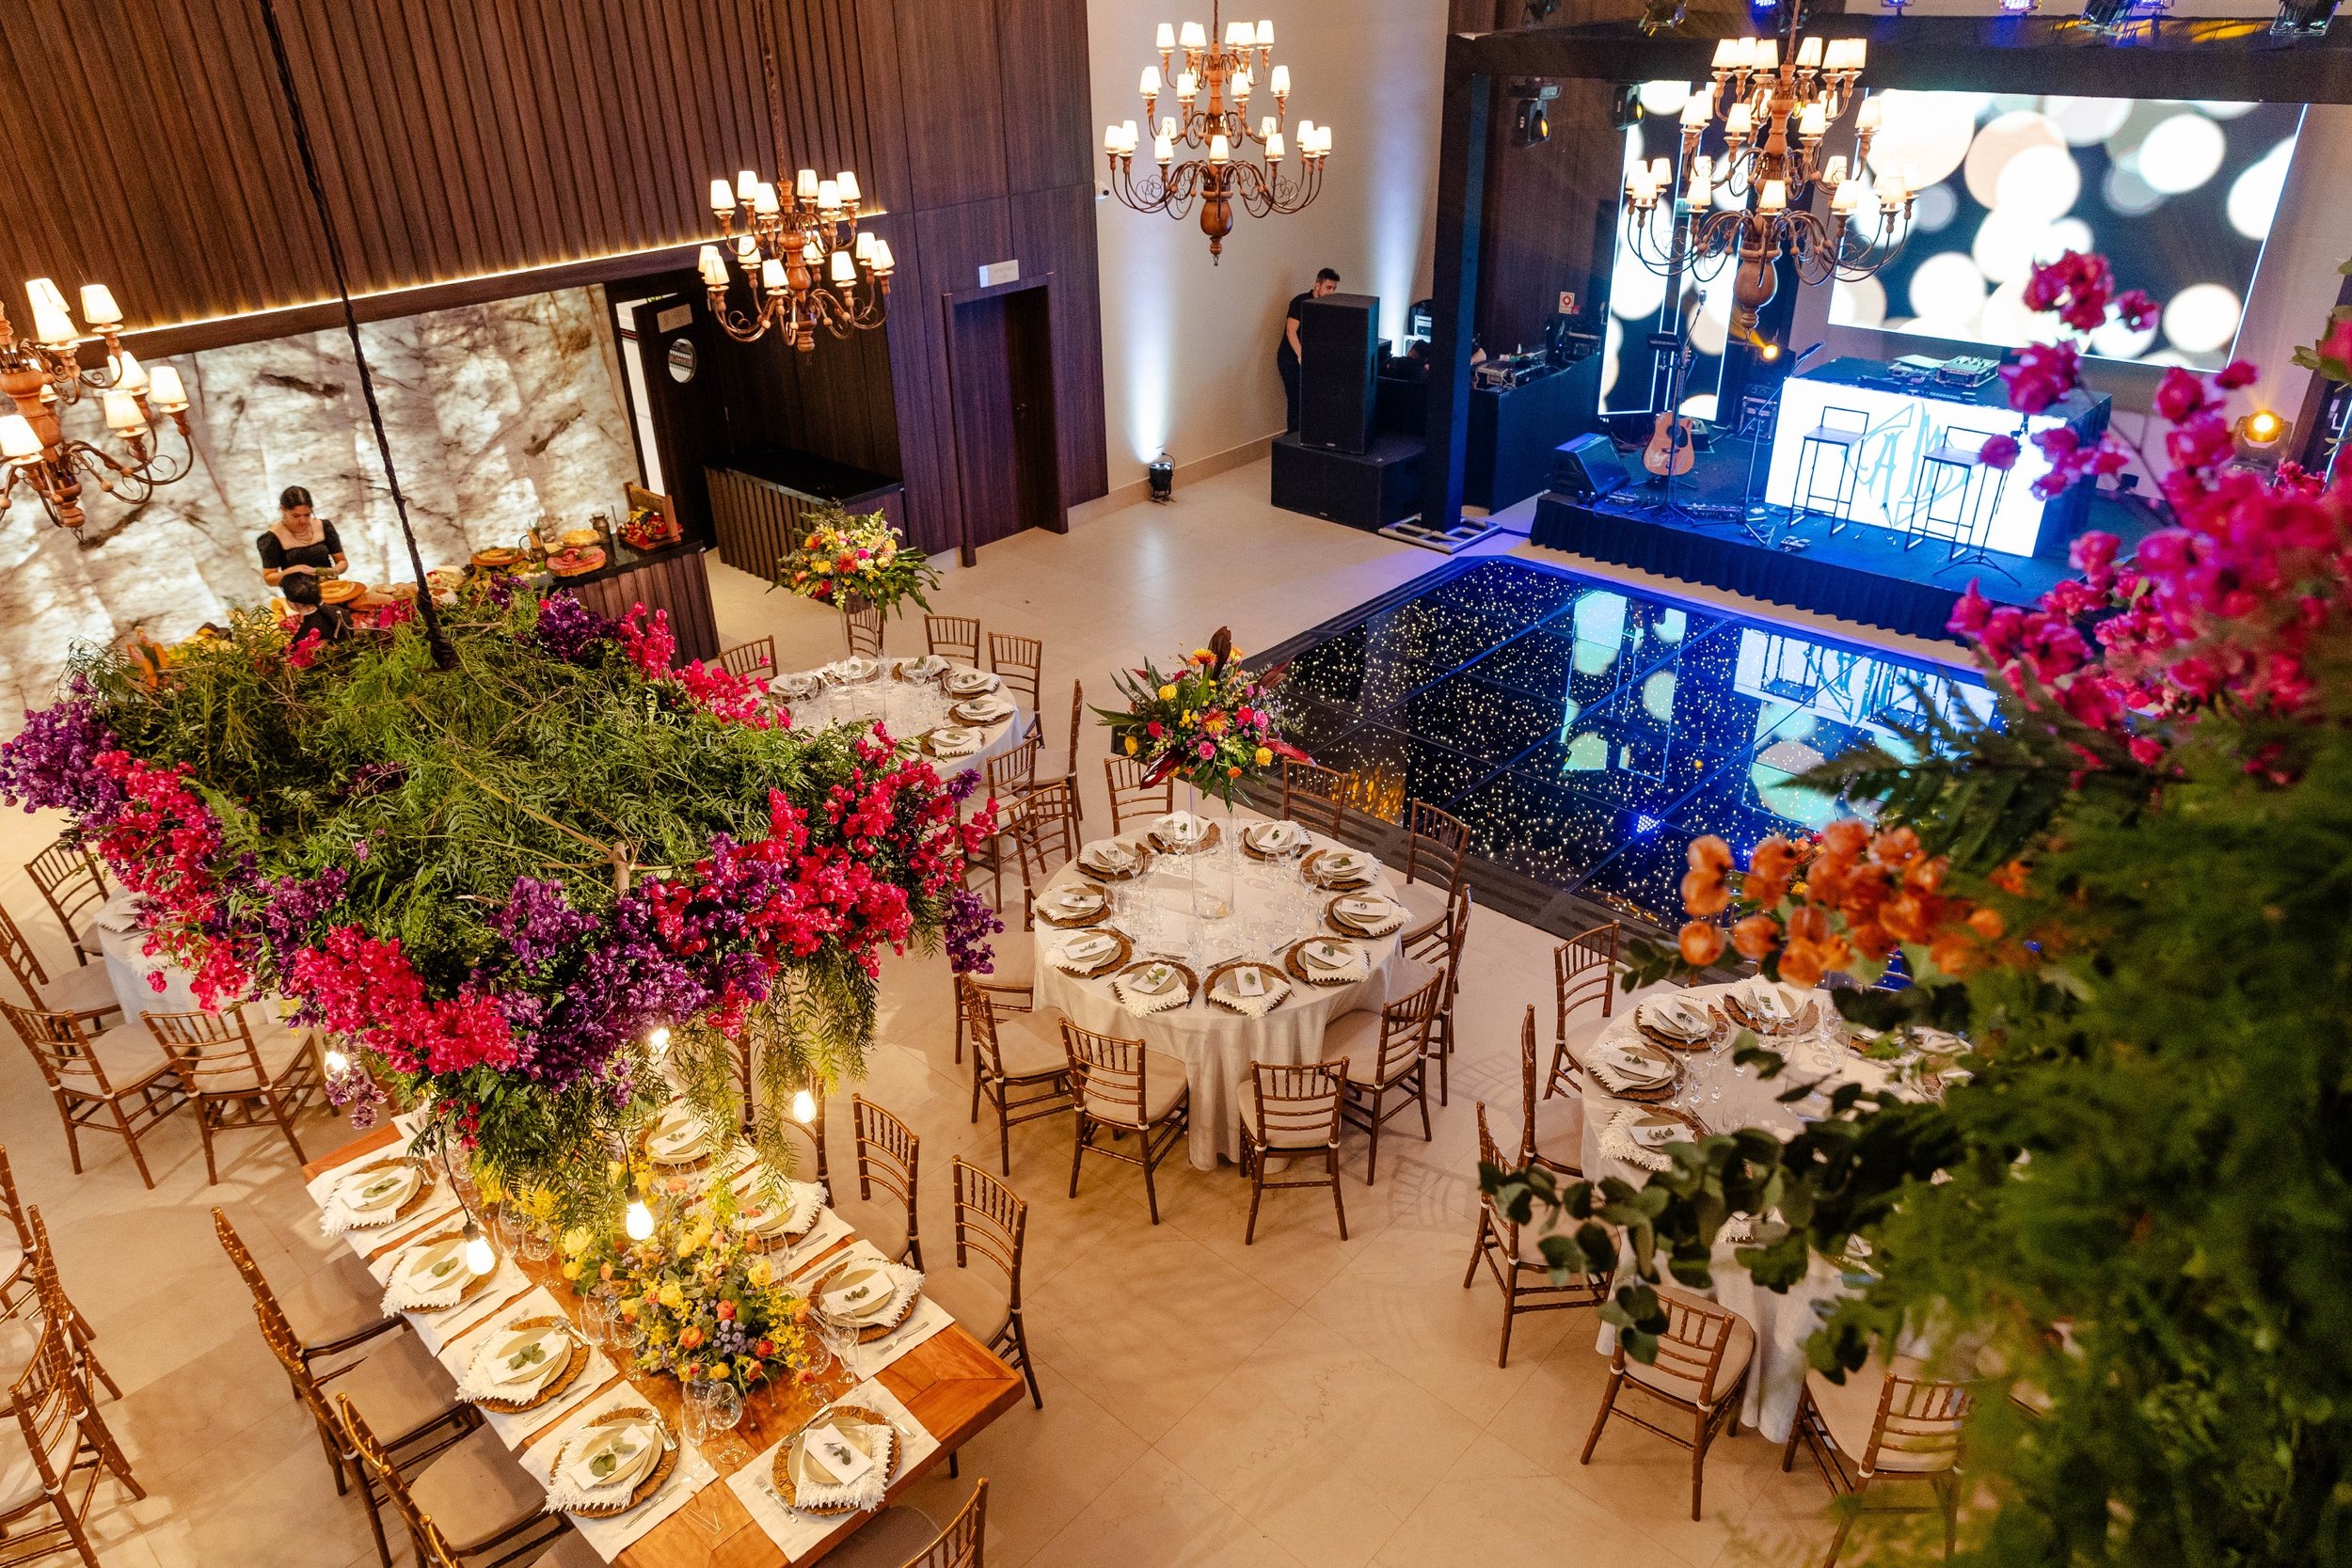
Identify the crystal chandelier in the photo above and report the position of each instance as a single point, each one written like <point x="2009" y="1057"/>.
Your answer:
<point x="1212" y="91"/>
<point x="1776" y="102"/>
<point x="803" y="255"/>
<point x="42" y="375"/>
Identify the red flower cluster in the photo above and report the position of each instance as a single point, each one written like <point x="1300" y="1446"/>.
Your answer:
<point x="649" y="641"/>
<point x="366" y="988"/>
<point x="2078" y="286"/>
<point x="646" y="636"/>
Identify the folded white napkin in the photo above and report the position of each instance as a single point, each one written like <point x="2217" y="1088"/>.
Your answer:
<point x="679" y="1137"/>
<point x="602" y="1463"/>
<point x="1630" y="1065"/>
<point x="1271" y="836"/>
<point x="1676" y="1016"/>
<point x="369" y="1198"/>
<point x="513" y="1364"/>
<point x="1180" y="827"/>
<point x="1107" y="854"/>
<point x="1330" y="959"/>
<point x="955" y="740"/>
<point x="1086" y="951"/>
<point x="1768" y="1004"/>
<point x="1635" y="1136"/>
<point x="967" y="682"/>
<point x="1253" y="991"/>
<point x="797" y="1534"/>
<point x="429" y="1277"/>
<point x="864" y="1287"/>
<point x="986" y="710"/>
<point x="836" y="1451"/>
<point x="1069" y="903"/>
<point x="610" y="1537"/>
<point x="921" y="669"/>
<point x="857" y="667"/>
<point x="1373" y="916"/>
<point x="789" y="1213"/>
<point x="1153" y="989"/>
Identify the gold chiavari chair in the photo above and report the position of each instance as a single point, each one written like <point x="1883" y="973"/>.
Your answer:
<point x="1552" y="1133"/>
<point x="49" y="1295"/>
<point x="992" y="1228"/>
<point x="890" y="1158"/>
<point x="1077" y="718"/>
<point x="63" y="1441"/>
<point x="400" y="1391"/>
<point x="473" y="1504"/>
<point x="1046" y="834"/>
<point x="863" y="627"/>
<point x="339" y="1309"/>
<point x="1388" y="1057"/>
<point x="903" y="1536"/>
<point x="118" y="1081"/>
<point x="1583" y="974"/>
<point x="72" y="879"/>
<point x="242" y="1081"/>
<point x="1021" y="662"/>
<point x="85" y="991"/>
<point x="1441" y="948"/>
<point x="1701" y="1372"/>
<point x="1436" y="844"/>
<point x="1512" y="1254"/>
<point x="1123" y="1086"/>
<point x="1317" y="798"/>
<point x="1131" y="798"/>
<point x="16" y="1291"/>
<point x="1010" y="774"/>
<point x="747" y="659"/>
<point x="1292" y="1113"/>
<point x="1016" y="1066"/>
<point x="1883" y="1424"/>
<point x="812" y="1132"/>
<point x="956" y="637"/>
<point x="1012" y="963"/>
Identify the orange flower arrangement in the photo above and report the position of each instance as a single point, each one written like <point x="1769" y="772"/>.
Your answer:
<point x="1848" y="898"/>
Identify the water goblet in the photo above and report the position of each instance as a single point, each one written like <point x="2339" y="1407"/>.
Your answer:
<point x="722" y="1414"/>
<point x="598" y="1309"/>
<point x="537" y="1242"/>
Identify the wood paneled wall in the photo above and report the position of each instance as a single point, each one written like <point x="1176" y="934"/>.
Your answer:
<point x="465" y="138"/>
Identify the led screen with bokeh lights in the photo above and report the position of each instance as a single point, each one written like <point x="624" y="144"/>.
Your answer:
<point x="2178" y="196"/>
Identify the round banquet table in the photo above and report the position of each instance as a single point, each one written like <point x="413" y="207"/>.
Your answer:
<point x="908" y="710"/>
<point x="1724" y="1096"/>
<point x="1273" y="908"/>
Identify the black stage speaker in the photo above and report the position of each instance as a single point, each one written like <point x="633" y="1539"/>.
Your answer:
<point x="1587" y="469"/>
<point x="1367" y="490"/>
<point x="1339" y="356"/>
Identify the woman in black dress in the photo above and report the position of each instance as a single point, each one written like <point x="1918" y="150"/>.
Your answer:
<point x="299" y="542"/>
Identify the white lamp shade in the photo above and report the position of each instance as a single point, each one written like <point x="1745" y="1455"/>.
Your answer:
<point x="1167" y="37"/>
<point x="1187" y="86"/>
<point x="129" y="373"/>
<point x="1127" y="136"/>
<point x="1726" y="54"/>
<point x="1280" y="81"/>
<point x="1743" y="54"/>
<point x="805" y="186"/>
<point x="881" y="262"/>
<point x="810" y="254"/>
<point x="712" y="266"/>
<point x="1220" y="150"/>
<point x="1167" y="127"/>
<point x="828" y="194"/>
<point x="1774" y="198"/>
<point x="17" y="440"/>
<point x="1162" y="150"/>
<point x="1275" y="147"/>
<point x="122" y="412"/>
<point x="746" y="251"/>
<point x="1266" y="35"/>
<point x="1813" y="122"/>
<point x="1809" y="55"/>
<point x="862" y="247"/>
<point x="1868" y="116"/>
<point x="850" y="190"/>
<point x="1265" y="128"/>
<point x="1242" y="84"/>
<point x="764" y="200"/>
<point x="772" y="274"/>
<point x="1196" y="36"/>
<point x="1738" y="121"/>
<point x="51" y="323"/>
<point x="1149" y="86"/>
<point x="844" y="269"/>
<point x="746" y="184"/>
<point x="722" y="198"/>
<point x="1322" y="141"/>
<point x="1768" y="54"/>
<point x="164" y="392"/>
<point x="98" y="306"/>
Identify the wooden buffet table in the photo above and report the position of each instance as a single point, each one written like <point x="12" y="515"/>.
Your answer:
<point x="950" y="1382"/>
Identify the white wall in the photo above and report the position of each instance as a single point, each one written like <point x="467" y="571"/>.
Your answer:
<point x="1188" y="347"/>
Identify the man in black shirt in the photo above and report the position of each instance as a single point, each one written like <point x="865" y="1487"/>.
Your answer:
<point x="1286" y="357"/>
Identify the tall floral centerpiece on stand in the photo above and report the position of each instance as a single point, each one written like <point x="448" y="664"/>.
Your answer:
<point x="540" y="892"/>
<point x="2121" y="1225"/>
<point x="853" y="562"/>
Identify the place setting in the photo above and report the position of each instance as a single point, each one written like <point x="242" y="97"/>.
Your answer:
<point x="380" y="1194"/>
<point x="1092" y="954"/>
<point x="922" y="671"/>
<point x="1113" y="860"/>
<point x="1770" y="1009"/>
<point x="1338" y="870"/>
<point x="988" y="710"/>
<point x="953" y="742"/>
<point x="1183" y="832"/>
<point x="777" y="1214"/>
<point x="963" y="681"/>
<point x="526" y="1365"/>
<point x="869" y="1310"/>
<point x="1632" y="1067"/>
<point x="1277" y="840"/>
<point x="840" y="1464"/>
<point x="1155" y="986"/>
<point x="1364" y="914"/>
<point x="679" y="1136"/>
<point x="435" y="1273"/>
<point x="1327" y="961"/>
<point x="1677" y="1023"/>
<point x="1246" y="987"/>
<point x="1072" y="905"/>
<point x="1638" y="1134"/>
<point x="616" y="1469"/>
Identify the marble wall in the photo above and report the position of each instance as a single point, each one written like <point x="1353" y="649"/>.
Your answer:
<point x="498" y="414"/>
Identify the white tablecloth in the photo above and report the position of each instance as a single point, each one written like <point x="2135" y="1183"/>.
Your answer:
<point x="1729" y="1099"/>
<point x="1216" y="1046"/>
<point x="128" y="967"/>
<point x="908" y="710"/>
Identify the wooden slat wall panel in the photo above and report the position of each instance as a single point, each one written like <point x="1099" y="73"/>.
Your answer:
<point x="756" y="522"/>
<point x="678" y="584"/>
<point x="465" y="138"/>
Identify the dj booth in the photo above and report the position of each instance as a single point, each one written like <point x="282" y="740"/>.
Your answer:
<point x="1907" y="416"/>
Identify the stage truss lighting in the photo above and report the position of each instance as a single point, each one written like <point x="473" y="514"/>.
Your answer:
<point x="1532" y="126"/>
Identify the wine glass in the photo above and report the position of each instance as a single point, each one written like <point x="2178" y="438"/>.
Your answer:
<point x="598" y="1311"/>
<point x="840" y="1341"/>
<point x="722" y="1410"/>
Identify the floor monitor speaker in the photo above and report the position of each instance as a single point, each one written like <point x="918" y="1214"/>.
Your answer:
<point x="1587" y="469"/>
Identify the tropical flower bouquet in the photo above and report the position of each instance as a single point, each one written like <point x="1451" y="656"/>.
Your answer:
<point x="1208" y="721"/>
<point x="842" y="557"/>
<point x="711" y="1308"/>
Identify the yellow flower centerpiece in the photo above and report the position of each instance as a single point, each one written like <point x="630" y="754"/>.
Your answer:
<point x="842" y="557"/>
<point x="711" y="1308"/>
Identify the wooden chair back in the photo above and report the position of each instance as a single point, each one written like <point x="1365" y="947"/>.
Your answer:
<point x="1436" y="844"/>
<point x="993" y="1222"/>
<point x="22" y="961"/>
<point x="956" y="637"/>
<point x="433" y="1548"/>
<point x="1529" y="1089"/>
<point x="1694" y="1342"/>
<point x="1583" y="972"/>
<point x="1298" y="1106"/>
<point x="1044" y="827"/>
<point x="211" y="1051"/>
<point x="72" y="879"/>
<point x="1021" y="660"/>
<point x="756" y="657"/>
<point x="1918" y="1426"/>
<point x="1012" y="773"/>
<point x="963" y="1543"/>
<point x="62" y="1047"/>
<point x="48" y="1401"/>
<point x="889" y="1155"/>
<point x="15" y="1204"/>
<point x="979" y="1022"/>
<point x="1131" y="797"/>
<point x="863" y="627"/>
<point x="1107" y="1075"/>
<point x="1490" y="1153"/>
<point x="1317" y="797"/>
<point x="1405" y="1028"/>
<point x="813" y="1132"/>
<point x="1077" y="718"/>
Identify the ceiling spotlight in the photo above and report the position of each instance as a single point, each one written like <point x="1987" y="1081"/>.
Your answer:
<point x="1531" y="127"/>
<point x="2308" y="18"/>
<point x="2261" y="436"/>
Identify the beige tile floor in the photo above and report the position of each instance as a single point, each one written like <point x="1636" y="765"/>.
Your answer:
<point x="1304" y="1401"/>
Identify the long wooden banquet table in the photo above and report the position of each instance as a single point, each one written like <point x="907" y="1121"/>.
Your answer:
<point x="950" y="1382"/>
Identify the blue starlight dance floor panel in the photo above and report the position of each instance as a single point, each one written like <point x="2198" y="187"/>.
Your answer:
<point x="1586" y="733"/>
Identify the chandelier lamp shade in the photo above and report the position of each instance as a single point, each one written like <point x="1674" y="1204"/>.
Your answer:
<point x="41" y="375"/>
<point x="806" y="261"/>
<point x="1755" y="182"/>
<point x="1209" y="156"/>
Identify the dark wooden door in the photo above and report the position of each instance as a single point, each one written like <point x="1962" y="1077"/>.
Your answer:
<point x="680" y="345"/>
<point x="1002" y="352"/>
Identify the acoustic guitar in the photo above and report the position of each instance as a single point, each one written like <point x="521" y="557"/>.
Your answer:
<point x="1670" y="450"/>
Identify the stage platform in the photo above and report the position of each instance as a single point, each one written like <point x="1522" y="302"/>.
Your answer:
<point x="1863" y="574"/>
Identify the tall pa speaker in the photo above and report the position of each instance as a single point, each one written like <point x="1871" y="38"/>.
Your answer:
<point x="1338" y="361"/>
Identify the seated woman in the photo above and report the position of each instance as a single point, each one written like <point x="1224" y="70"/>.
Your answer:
<point x="332" y="622"/>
